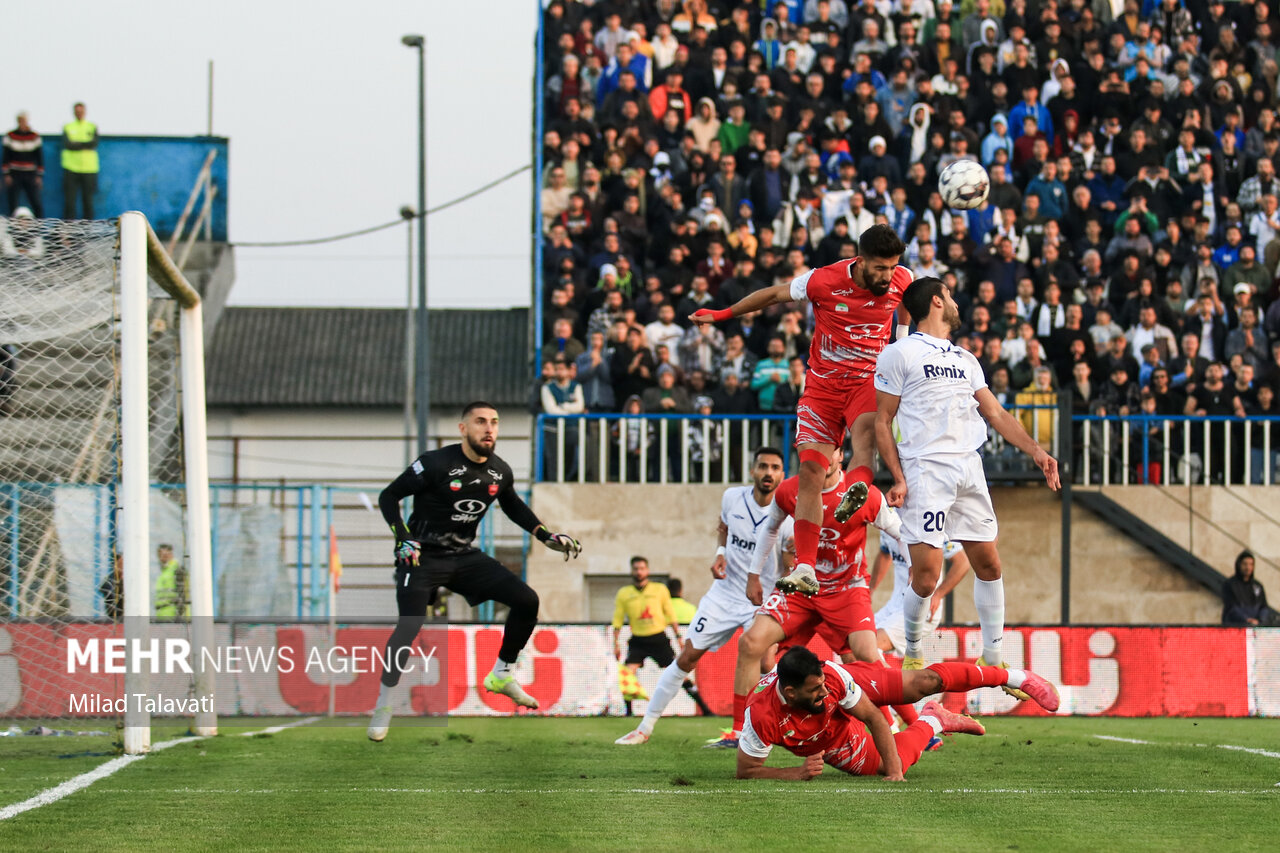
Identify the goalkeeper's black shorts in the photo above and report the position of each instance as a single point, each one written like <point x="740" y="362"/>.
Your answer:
<point x="474" y="575"/>
<point x="655" y="646"/>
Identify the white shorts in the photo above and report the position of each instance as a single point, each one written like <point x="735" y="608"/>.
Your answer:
<point x="716" y="621"/>
<point x="947" y="498"/>
<point x="893" y="621"/>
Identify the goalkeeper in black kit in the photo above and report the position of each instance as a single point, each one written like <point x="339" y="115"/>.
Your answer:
<point x="452" y="488"/>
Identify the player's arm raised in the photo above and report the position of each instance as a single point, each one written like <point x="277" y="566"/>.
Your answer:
<point x="757" y="301"/>
<point x="886" y="411"/>
<point x="869" y="715"/>
<point x="1011" y="430"/>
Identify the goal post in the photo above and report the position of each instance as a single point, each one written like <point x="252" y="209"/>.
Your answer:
<point x="105" y="519"/>
<point x="141" y="257"/>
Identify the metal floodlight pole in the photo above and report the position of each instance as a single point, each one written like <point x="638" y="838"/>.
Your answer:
<point x="408" y="214"/>
<point x="422" y="364"/>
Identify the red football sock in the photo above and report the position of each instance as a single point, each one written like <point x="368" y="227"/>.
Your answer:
<point x="807" y="534"/>
<point x="911" y="742"/>
<point x="739" y="710"/>
<point x="908" y="713"/>
<point x="959" y="677"/>
<point x="862" y="474"/>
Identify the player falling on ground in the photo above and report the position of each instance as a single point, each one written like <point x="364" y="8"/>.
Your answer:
<point x="452" y="489"/>
<point x="854" y="302"/>
<point x="734" y="595"/>
<point x="891" y="629"/>
<point x="937" y="392"/>
<point x="843" y="601"/>
<point x="828" y="714"/>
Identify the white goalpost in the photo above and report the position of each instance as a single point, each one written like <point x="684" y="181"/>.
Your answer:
<point x="142" y="256"/>
<point x="103" y="472"/>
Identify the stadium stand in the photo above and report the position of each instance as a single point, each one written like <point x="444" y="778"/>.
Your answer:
<point x="708" y="149"/>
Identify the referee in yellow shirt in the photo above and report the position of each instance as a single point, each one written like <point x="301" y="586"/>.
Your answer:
<point x="646" y="605"/>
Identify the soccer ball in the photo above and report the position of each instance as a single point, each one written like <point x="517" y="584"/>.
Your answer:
<point x="963" y="185"/>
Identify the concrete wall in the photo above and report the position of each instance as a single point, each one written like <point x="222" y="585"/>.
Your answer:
<point x="1114" y="580"/>
<point x="153" y="174"/>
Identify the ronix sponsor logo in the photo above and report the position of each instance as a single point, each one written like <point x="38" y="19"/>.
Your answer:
<point x="738" y="542"/>
<point x="933" y="371"/>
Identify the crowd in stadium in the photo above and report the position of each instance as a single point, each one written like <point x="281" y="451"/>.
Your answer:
<point x="696" y="151"/>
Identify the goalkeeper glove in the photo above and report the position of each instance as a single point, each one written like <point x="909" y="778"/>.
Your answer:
<point x="561" y="542"/>
<point x="407" y="551"/>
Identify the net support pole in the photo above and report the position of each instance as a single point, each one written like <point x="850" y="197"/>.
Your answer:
<point x="199" y="546"/>
<point x="134" y="522"/>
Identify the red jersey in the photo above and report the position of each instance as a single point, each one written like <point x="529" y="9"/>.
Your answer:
<point x="771" y="722"/>
<point x="841" y="561"/>
<point x="853" y="324"/>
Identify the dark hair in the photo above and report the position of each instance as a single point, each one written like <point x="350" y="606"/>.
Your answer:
<point x="476" y="404"/>
<point x="675" y="586"/>
<point x="919" y="296"/>
<point x="881" y="241"/>
<point x="1246" y="554"/>
<point x="795" y="667"/>
<point x="639" y="559"/>
<point x="766" y="450"/>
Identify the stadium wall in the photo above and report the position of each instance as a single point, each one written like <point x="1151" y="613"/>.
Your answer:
<point x="1108" y="671"/>
<point x="1114" y="579"/>
<point x="153" y="174"/>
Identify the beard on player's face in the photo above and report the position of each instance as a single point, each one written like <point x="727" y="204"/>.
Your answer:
<point x="951" y="314"/>
<point x="481" y="445"/>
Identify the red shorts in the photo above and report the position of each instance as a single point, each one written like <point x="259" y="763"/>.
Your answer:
<point x="834" y="616"/>
<point x="828" y="407"/>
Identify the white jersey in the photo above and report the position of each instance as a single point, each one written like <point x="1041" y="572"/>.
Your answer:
<point x="744" y="518"/>
<point x="936" y="382"/>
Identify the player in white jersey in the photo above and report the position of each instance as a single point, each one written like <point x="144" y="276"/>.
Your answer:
<point x="891" y="628"/>
<point x="735" y="595"/>
<point x="936" y="391"/>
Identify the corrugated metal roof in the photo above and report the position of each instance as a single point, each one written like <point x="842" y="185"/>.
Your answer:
<point x="355" y="357"/>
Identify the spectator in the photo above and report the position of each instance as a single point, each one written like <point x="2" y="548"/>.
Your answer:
<point x="1247" y="339"/>
<point x="563" y="343"/>
<point x="79" y="165"/>
<point x="1244" y="601"/>
<point x="770" y="374"/>
<point x="172" y="595"/>
<point x="632" y="366"/>
<point x="592" y="370"/>
<point x="787" y="395"/>
<point x="23" y="166"/>
<point x="1038" y="421"/>
<point x="664" y="330"/>
<point x="667" y="398"/>
<point x="1149" y="332"/>
<point x="563" y="395"/>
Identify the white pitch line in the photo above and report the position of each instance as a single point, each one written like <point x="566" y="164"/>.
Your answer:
<point x="276" y="729"/>
<point x="1121" y="739"/>
<point x="1265" y="752"/>
<point x="102" y="771"/>
<point x="684" y="792"/>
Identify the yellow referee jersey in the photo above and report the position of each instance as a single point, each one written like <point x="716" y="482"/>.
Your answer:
<point x="648" y="610"/>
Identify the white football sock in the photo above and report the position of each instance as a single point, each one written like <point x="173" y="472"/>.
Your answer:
<point x="501" y="668"/>
<point x="988" y="598"/>
<point x="669" y="684"/>
<point x="915" y="612"/>
<point x="934" y="723"/>
<point x="1016" y="677"/>
<point x="384" y="696"/>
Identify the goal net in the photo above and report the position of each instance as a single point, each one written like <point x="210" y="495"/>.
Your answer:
<point x="104" y="510"/>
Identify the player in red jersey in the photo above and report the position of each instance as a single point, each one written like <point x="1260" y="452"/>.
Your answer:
<point x="843" y="603"/>
<point x="854" y="302"/>
<point x="827" y="713"/>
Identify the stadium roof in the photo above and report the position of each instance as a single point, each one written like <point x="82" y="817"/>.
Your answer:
<point x="287" y="357"/>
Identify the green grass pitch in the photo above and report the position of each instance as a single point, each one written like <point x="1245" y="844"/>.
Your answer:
<point x="561" y="784"/>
